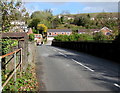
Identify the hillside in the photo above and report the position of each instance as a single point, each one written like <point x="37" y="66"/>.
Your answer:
<point x="111" y="14"/>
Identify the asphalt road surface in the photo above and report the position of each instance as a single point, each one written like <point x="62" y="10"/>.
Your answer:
<point x="67" y="70"/>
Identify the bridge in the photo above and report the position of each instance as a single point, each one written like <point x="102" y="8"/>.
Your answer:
<point x="61" y="69"/>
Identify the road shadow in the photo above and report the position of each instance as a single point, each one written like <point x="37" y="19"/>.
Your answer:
<point x="106" y="72"/>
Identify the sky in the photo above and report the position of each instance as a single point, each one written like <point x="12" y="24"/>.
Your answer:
<point x="72" y="7"/>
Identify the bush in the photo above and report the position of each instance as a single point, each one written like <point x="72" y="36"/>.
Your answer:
<point x="74" y="37"/>
<point x="31" y="37"/>
<point x="61" y="38"/>
<point x="85" y="37"/>
<point x="100" y="36"/>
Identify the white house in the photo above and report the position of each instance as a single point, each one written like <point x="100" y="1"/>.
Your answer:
<point x="18" y="25"/>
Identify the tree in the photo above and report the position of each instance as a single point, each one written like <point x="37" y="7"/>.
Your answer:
<point x="34" y="23"/>
<point x="42" y="28"/>
<point x="81" y="21"/>
<point x="100" y="36"/>
<point x="44" y="17"/>
<point x="88" y="15"/>
<point x="10" y="11"/>
<point x="31" y="37"/>
<point x="56" y="22"/>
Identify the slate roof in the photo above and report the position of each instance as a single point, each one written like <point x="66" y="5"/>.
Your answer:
<point x="59" y="30"/>
<point x="14" y="34"/>
<point x="105" y="28"/>
<point x="86" y="30"/>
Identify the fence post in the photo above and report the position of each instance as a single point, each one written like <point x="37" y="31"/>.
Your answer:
<point x="15" y="68"/>
<point x="0" y="75"/>
<point x="20" y="61"/>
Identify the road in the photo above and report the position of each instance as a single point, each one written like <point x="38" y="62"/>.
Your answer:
<point x="67" y="70"/>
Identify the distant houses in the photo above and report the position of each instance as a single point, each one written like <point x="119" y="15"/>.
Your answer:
<point x="88" y="31"/>
<point x="54" y="32"/>
<point x="104" y="30"/>
<point x="18" y="26"/>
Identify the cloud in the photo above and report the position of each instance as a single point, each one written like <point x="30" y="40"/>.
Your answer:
<point x="100" y="7"/>
<point x="54" y="9"/>
<point x="92" y="9"/>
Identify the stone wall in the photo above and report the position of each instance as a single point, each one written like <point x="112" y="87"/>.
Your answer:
<point x="31" y="52"/>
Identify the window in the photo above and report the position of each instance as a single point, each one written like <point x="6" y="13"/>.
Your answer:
<point x="49" y="33"/>
<point x="68" y="33"/>
<point x="108" y="33"/>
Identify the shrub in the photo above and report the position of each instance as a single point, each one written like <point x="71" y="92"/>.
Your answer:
<point x="100" y="36"/>
<point x="31" y="37"/>
<point x="61" y="38"/>
<point x="85" y="37"/>
<point x="74" y="37"/>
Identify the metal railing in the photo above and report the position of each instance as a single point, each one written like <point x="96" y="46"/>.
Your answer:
<point x="16" y="66"/>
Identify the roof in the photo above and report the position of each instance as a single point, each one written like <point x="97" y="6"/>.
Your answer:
<point x="14" y="35"/>
<point x="86" y="30"/>
<point x="59" y="30"/>
<point x="30" y="31"/>
<point x="105" y="28"/>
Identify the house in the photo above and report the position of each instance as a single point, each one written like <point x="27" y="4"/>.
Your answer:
<point x="92" y="18"/>
<point x="38" y="36"/>
<point x="18" y="25"/>
<point x="54" y="32"/>
<point x="106" y="31"/>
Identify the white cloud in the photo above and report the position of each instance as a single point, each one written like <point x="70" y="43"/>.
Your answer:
<point x="92" y="9"/>
<point x="100" y="7"/>
<point x="54" y="9"/>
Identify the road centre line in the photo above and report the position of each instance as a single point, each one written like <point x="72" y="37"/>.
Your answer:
<point x="62" y="54"/>
<point x="116" y="85"/>
<point x="82" y="65"/>
<point x="78" y="62"/>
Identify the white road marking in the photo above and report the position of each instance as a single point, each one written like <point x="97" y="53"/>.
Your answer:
<point x="83" y="65"/>
<point x="117" y="85"/>
<point x="62" y="54"/>
<point x="54" y="50"/>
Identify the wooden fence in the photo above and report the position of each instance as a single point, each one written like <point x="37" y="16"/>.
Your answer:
<point x="15" y="67"/>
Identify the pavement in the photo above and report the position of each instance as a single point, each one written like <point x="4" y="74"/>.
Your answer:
<point x="61" y="69"/>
